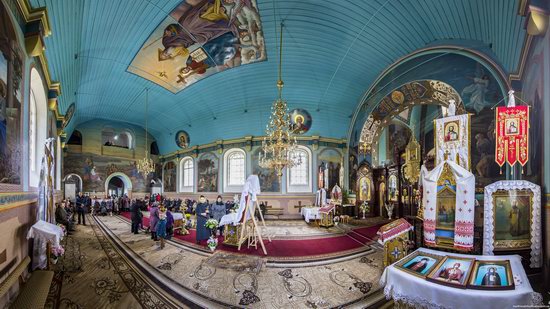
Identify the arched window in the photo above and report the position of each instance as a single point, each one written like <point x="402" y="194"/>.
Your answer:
<point x="76" y="138"/>
<point x="299" y="176"/>
<point x="187" y="173"/>
<point x="235" y="170"/>
<point x="38" y="126"/>
<point x="154" y="149"/>
<point x="117" y="138"/>
<point x="32" y="132"/>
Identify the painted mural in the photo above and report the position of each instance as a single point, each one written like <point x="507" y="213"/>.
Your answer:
<point x="182" y="139"/>
<point x="269" y="181"/>
<point x="208" y="173"/>
<point x="328" y="170"/>
<point x="478" y="88"/>
<point x="94" y="170"/>
<point x="10" y="105"/>
<point x="198" y="39"/>
<point x="169" y="177"/>
<point x="300" y="121"/>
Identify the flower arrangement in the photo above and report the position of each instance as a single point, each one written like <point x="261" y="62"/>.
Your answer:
<point x="234" y="208"/>
<point x="56" y="252"/>
<point x="211" y="224"/>
<point x="212" y="243"/>
<point x="365" y="207"/>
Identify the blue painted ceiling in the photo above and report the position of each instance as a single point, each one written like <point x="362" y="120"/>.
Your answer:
<point x="333" y="51"/>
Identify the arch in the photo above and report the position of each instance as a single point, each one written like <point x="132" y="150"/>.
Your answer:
<point x="75" y="139"/>
<point x="186" y="174"/>
<point x="125" y="179"/>
<point x="38" y="126"/>
<point x="234" y="170"/>
<point x="77" y="176"/>
<point x="154" y="149"/>
<point x="302" y="183"/>
<point x="419" y="92"/>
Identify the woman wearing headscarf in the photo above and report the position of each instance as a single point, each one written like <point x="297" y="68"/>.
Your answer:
<point x="218" y="210"/>
<point x="203" y="214"/>
<point x="153" y="220"/>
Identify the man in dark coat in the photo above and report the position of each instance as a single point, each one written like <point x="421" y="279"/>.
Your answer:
<point x="81" y="208"/>
<point x="136" y="216"/>
<point x="203" y="214"/>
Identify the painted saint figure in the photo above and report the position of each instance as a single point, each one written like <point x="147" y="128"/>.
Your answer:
<point x="514" y="216"/>
<point x="491" y="278"/>
<point x="419" y="266"/>
<point x="452" y="274"/>
<point x="451" y="135"/>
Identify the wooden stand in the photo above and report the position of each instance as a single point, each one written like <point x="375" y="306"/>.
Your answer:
<point x="249" y="227"/>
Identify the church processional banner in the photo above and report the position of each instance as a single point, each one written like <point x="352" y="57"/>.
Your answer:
<point x="453" y="140"/>
<point x="512" y="135"/>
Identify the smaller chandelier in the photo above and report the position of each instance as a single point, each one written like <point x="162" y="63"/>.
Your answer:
<point x="146" y="165"/>
<point x="279" y="144"/>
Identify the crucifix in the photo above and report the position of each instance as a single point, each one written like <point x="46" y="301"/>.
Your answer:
<point x="299" y="206"/>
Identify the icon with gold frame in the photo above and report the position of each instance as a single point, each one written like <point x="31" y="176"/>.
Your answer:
<point x="419" y="263"/>
<point x="452" y="271"/>
<point x="492" y="275"/>
<point x="512" y="219"/>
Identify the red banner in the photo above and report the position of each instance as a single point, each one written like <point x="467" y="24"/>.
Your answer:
<point x="512" y="135"/>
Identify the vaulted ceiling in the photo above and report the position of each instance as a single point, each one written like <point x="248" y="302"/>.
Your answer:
<point x="333" y="51"/>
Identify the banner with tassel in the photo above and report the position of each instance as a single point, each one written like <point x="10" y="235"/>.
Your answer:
<point x="512" y="134"/>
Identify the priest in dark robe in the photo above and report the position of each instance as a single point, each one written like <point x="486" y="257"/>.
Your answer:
<point x="203" y="214"/>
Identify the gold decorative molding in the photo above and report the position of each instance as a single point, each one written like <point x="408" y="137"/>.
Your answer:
<point x="38" y="20"/>
<point x="537" y="21"/>
<point x="249" y="140"/>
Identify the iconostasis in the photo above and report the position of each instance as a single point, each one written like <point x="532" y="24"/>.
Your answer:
<point x="405" y="133"/>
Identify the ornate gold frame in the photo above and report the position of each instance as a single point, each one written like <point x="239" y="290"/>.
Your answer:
<point x="509" y="275"/>
<point x="506" y="245"/>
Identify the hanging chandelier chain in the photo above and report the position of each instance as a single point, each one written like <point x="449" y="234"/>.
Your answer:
<point x="278" y="147"/>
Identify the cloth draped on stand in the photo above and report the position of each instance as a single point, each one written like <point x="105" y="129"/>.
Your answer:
<point x="464" y="209"/>
<point x="321" y="197"/>
<point x="250" y="191"/>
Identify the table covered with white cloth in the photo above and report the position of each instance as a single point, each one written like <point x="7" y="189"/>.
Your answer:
<point x="310" y="213"/>
<point x="177" y="216"/>
<point x="420" y="293"/>
<point x="43" y="232"/>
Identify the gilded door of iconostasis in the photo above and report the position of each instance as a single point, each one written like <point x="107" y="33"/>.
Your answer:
<point x="365" y="187"/>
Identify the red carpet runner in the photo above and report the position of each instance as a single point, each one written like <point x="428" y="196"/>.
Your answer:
<point x="290" y="248"/>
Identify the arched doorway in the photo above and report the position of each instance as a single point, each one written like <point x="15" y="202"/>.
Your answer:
<point x="118" y="184"/>
<point x="73" y="185"/>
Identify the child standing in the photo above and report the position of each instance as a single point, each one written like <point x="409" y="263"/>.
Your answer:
<point x="161" y="226"/>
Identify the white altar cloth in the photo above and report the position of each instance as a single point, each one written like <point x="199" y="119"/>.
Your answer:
<point x="42" y="232"/>
<point x="310" y="213"/>
<point x="420" y="293"/>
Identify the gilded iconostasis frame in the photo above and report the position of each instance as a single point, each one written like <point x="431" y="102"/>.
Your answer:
<point x="513" y="188"/>
<point x="364" y="176"/>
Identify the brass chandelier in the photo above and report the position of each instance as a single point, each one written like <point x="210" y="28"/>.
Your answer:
<point x="146" y="165"/>
<point x="279" y="144"/>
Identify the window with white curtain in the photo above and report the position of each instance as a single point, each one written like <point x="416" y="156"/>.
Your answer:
<point x="299" y="177"/>
<point x="187" y="173"/>
<point x="236" y="169"/>
<point x="32" y="132"/>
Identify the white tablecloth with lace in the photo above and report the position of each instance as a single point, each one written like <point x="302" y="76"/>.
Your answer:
<point x="310" y="213"/>
<point x="42" y="232"/>
<point x="420" y="293"/>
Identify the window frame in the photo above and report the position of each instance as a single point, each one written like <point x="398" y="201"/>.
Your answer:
<point x="228" y="185"/>
<point x="301" y="188"/>
<point x="182" y="175"/>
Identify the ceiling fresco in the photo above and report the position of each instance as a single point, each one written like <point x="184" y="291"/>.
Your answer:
<point x="200" y="38"/>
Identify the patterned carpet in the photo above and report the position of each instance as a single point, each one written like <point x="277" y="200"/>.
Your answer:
<point x="106" y="266"/>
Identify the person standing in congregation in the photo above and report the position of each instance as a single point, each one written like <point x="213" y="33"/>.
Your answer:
<point x="218" y="210"/>
<point x="153" y="220"/>
<point x="136" y="216"/>
<point x="81" y="208"/>
<point x="161" y="226"/>
<point x="203" y="214"/>
<point x="169" y="223"/>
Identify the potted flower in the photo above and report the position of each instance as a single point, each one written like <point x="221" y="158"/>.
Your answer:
<point x="365" y="208"/>
<point x="56" y="252"/>
<point x="212" y="243"/>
